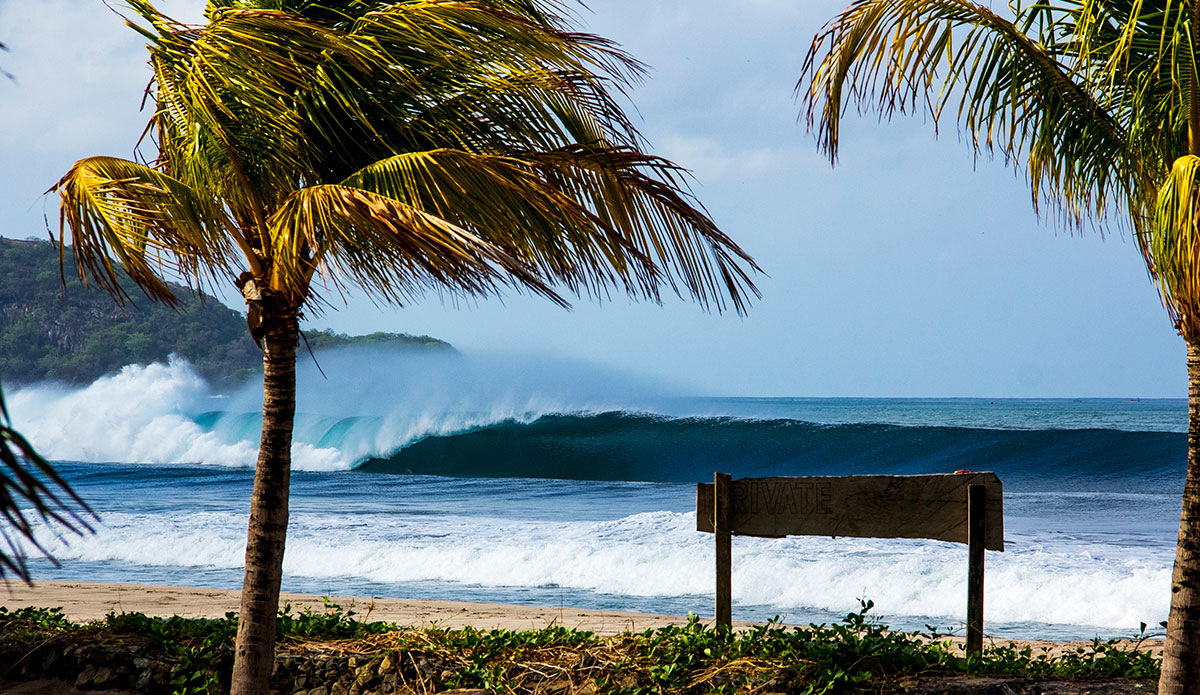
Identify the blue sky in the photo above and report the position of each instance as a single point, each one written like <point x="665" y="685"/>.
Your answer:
<point x="907" y="270"/>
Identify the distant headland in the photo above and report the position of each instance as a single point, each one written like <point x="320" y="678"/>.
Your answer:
<point x="73" y="333"/>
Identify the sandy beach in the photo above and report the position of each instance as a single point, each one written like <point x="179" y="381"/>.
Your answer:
<point x="85" y="601"/>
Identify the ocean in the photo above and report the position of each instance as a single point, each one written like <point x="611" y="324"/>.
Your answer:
<point x="535" y="481"/>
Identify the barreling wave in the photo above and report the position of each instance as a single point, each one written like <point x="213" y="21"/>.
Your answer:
<point x="408" y="420"/>
<point x="630" y="446"/>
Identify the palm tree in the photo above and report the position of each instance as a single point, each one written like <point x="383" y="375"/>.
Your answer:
<point x="1099" y="100"/>
<point x="308" y="147"/>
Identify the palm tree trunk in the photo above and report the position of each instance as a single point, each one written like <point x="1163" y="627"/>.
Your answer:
<point x="1181" y="655"/>
<point x="255" y="650"/>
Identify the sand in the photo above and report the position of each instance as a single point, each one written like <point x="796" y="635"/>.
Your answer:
<point x="85" y="601"/>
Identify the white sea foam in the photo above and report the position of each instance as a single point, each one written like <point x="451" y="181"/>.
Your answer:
<point x="659" y="554"/>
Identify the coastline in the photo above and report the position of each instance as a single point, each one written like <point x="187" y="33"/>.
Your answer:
<point x="88" y="601"/>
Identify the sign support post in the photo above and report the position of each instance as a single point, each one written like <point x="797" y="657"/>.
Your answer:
<point x="722" y="484"/>
<point x="976" y="515"/>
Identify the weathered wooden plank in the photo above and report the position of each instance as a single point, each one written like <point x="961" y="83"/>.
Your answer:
<point x="722" y="504"/>
<point x="976" y="532"/>
<point x="863" y="506"/>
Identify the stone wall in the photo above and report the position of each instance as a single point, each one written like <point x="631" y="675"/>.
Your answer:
<point x="136" y="668"/>
<point x="144" y="668"/>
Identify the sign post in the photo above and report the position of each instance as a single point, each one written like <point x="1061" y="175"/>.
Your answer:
<point x="721" y="529"/>
<point x="976" y="515"/>
<point x="960" y="508"/>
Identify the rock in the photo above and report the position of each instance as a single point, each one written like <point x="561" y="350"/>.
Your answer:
<point x="84" y="679"/>
<point x="374" y="664"/>
<point x="364" y="674"/>
<point x="144" y="680"/>
<point x="104" y="677"/>
<point x="49" y="660"/>
<point x="387" y="664"/>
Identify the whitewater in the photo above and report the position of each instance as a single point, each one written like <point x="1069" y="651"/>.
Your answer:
<point x="535" y="481"/>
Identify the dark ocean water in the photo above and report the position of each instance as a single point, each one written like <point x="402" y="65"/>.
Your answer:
<point x="555" y="493"/>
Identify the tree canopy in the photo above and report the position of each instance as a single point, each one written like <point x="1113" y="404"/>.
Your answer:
<point x="1099" y="102"/>
<point x="454" y="146"/>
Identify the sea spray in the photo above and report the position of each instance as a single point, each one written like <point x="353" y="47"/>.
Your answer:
<point x="360" y="402"/>
<point x="141" y="414"/>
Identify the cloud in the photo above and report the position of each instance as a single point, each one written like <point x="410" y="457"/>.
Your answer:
<point x="80" y="75"/>
<point x="80" y="78"/>
<point x="713" y="161"/>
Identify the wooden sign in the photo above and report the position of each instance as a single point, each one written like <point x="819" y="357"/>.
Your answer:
<point x="960" y="507"/>
<point x="861" y="506"/>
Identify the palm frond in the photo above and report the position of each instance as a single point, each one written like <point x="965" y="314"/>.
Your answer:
<point x="590" y="218"/>
<point x="411" y="76"/>
<point x="1009" y="94"/>
<point x="32" y="493"/>
<point x="152" y="224"/>
<point x="385" y="247"/>
<point x="504" y="200"/>
<point x="646" y="199"/>
<point x="1174" y="245"/>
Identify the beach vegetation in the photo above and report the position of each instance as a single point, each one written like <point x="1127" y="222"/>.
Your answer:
<point x="859" y="652"/>
<point x="333" y="622"/>
<point x="33" y="617"/>
<point x="1098" y="101"/>
<point x="306" y="150"/>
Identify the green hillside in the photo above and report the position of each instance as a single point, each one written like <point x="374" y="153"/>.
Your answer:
<point x="78" y="333"/>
